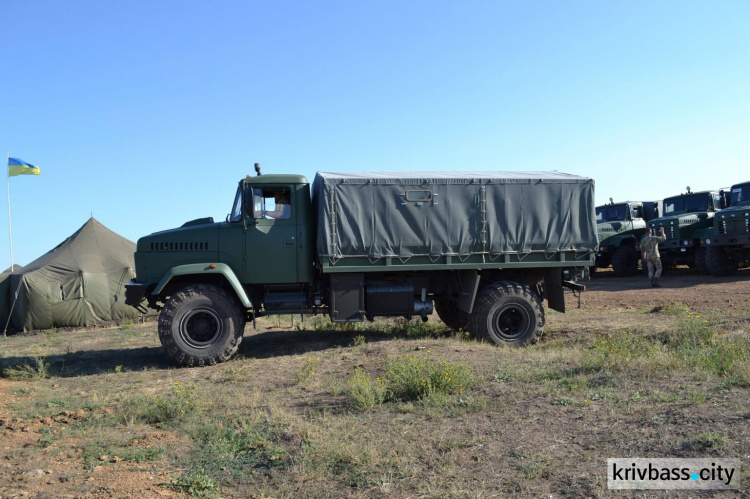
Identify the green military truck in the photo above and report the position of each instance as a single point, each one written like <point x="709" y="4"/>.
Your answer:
<point x="484" y="247"/>
<point x="686" y="219"/>
<point x="619" y="227"/>
<point x="728" y="245"/>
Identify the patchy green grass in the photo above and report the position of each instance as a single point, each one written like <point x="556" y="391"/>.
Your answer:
<point x="388" y="409"/>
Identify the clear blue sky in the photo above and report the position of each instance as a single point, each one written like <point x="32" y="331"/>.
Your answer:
<point x="147" y="114"/>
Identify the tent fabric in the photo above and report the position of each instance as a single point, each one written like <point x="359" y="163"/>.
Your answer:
<point x="408" y="214"/>
<point x="81" y="282"/>
<point x="5" y="296"/>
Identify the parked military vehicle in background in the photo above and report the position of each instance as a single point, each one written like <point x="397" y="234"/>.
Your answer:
<point x="728" y="245"/>
<point x="485" y="247"/>
<point x="687" y="219"/>
<point x="619" y="227"/>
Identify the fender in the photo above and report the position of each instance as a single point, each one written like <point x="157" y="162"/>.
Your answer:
<point x="619" y="241"/>
<point x="202" y="269"/>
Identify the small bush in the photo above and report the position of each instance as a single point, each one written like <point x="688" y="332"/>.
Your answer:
<point x="308" y="369"/>
<point x="711" y="440"/>
<point x="37" y="368"/>
<point x="196" y="484"/>
<point x="414" y="378"/>
<point x="366" y="393"/>
<point x="359" y="340"/>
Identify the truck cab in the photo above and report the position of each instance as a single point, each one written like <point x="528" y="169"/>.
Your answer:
<point x="258" y="251"/>
<point x="620" y="226"/>
<point x="728" y="244"/>
<point x="687" y="219"/>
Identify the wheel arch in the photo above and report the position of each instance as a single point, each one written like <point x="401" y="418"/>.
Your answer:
<point x="629" y="241"/>
<point x="206" y="273"/>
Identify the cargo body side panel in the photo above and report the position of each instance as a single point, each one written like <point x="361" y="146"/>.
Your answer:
<point x="464" y="220"/>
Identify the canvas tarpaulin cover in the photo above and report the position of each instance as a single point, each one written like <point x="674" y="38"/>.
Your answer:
<point x="408" y="214"/>
<point x="79" y="283"/>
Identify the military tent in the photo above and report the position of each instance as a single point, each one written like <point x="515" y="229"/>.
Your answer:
<point x="5" y="296"/>
<point x="80" y="282"/>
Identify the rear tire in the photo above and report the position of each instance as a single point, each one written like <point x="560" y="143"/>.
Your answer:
<point x="625" y="261"/>
<point x="201" y="325"/>
<point x="507" y="313"/>
<point x="719" y="262"/>
<point x="451" y="315"/>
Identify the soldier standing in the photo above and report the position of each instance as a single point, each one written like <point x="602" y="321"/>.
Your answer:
<point x="650" y="251"/>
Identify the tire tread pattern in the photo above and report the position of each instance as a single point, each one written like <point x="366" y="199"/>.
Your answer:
<point x="718" y="263"/>
<point x="625" y="261"/>
<point x="228" y="308"/>
<point x="495" y="292"/>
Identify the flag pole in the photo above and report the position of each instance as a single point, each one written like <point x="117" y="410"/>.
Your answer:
<point x="10" y="229"/>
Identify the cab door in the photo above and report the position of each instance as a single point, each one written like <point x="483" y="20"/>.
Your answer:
<point x="270" y="239"/>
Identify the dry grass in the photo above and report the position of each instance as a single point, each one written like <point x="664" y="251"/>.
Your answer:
<point x="280" y="419"/>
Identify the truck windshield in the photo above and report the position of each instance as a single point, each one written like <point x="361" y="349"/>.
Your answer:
<point x="740" y="194"/>
<point x="686" y="204"/>
<point x="611" y="213"/>
<point x="236" y="214"/>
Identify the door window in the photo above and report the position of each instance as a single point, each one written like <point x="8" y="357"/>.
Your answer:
<point x="270" y="203"/>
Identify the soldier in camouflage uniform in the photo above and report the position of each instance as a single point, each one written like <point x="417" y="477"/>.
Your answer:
<point x="650" y="251"/>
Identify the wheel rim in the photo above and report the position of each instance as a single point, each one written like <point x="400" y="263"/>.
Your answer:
<point x="511" y="322"/>
<point x="201" y="328"/>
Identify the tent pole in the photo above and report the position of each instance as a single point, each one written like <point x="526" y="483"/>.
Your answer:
<point x="10" y="314"/>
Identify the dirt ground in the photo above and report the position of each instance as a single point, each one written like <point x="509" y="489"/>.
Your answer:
<point x="681" y="285"/>
<point x="31" y="468"/>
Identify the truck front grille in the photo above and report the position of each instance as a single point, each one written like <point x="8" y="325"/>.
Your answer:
<point x="735" y="226"/>
<point x="179" y="246"/>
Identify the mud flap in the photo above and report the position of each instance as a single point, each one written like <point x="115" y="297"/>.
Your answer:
<point x="553" y="289"/>
<point x="469" y="280"/>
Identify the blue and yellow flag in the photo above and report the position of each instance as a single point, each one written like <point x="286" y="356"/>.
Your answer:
<point x="18" y="167"/>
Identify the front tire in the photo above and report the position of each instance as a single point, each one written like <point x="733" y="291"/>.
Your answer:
<point x="719" y="262"/>
<point x="701" y="265"/>
<point x="625" y="261"/>
<point x="507" y="313"/>
<point x="201" y="325"/>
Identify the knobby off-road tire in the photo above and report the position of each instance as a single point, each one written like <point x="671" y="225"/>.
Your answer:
<point x="701" y="265"/>
<point x="507" y="313"/>
<point x="201" y="325"/>
<point x="625" y="261"/>
<point x="719" y="262"/>
<point x="451" y="315"/>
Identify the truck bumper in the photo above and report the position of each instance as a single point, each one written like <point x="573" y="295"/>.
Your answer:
<point x="728" y="240"/>
<point x="135" y="293"/>
<point x="679" y="244"/>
